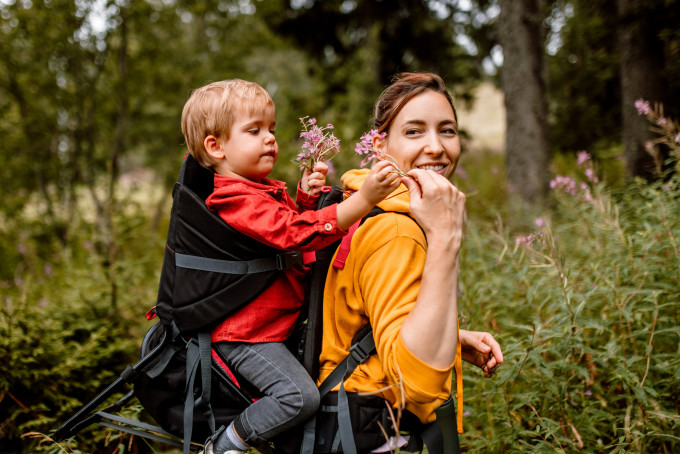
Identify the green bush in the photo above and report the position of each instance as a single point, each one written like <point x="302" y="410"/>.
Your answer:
<point x="71" y="320"/>
<point x="587" y="308"/>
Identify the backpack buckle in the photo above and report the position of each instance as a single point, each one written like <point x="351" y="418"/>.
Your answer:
<point x="357" y="353"/>
<point x="288" y="260"/>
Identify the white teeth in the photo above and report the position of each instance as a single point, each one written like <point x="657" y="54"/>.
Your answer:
<point x="435" y="168"/>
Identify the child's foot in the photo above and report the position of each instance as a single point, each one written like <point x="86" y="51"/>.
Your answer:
<point x="209" y="449"/>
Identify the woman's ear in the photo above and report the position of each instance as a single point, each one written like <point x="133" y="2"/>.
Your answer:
<point x="378" y="142"/>
<point x="212" y="147"/>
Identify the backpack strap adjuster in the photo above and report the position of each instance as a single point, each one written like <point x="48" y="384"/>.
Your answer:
<point x="288" y="260"/>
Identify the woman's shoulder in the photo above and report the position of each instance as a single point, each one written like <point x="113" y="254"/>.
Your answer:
<point x="389" y="226"/>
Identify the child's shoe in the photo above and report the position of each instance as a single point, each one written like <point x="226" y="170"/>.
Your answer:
<point x="209" y="449"/>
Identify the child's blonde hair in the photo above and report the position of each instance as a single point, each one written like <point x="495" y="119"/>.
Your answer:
<point x="210" y="110"/>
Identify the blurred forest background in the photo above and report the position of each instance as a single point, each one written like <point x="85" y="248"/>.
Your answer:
<point x="571" y="258"/>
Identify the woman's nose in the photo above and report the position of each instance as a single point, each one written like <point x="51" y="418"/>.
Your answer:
<point x="434" y="144"/>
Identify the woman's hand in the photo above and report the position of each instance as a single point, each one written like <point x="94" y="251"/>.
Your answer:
<point x="481" y="350"/>
<point x="437" y="206"/>
<point x="312" y="182"/>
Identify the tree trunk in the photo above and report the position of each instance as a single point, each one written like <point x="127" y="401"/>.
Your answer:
<point x="641" y="70"/>
<point x="522" y="38"/>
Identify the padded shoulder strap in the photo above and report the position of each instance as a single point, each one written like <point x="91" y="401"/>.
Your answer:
<point x="358" y="353"/>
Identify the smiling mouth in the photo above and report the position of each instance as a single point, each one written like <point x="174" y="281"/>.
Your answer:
<point x="436" y="168"/>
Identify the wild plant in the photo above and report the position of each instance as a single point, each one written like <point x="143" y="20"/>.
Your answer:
<point x="587" y="307"/>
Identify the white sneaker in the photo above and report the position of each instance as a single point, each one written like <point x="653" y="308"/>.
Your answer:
<point x="208" y="449"/>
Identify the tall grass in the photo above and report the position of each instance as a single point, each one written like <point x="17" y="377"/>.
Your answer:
<point x="586" y="304"/>
<point x="587" y="307"/>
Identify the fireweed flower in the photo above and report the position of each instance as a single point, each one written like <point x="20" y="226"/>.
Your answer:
<point x="566" y="184"/>
<point x="642" y="107"/>
<point x="365" y="148"/>
<point x="528" y="240"/>
<point x="319" y="144"/>
<point x="582" y="157"/>
<point x="590" y="174"/>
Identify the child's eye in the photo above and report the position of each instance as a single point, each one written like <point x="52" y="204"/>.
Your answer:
<point x="273" y="131"/>
<point x="254" y="130"/>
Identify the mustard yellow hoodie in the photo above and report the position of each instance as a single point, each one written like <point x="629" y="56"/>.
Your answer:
<point x="379" y="284"/>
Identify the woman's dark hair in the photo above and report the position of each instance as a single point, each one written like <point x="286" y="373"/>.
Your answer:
<point x="403" y="88"/>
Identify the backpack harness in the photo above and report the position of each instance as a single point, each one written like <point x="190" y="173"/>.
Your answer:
<point x="210" y="271"/>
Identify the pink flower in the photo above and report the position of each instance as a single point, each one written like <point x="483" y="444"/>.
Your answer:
<point x="527" y="240"/>
<point x="318" y="144"/>
<point x="582" y="157"/>
<point x="590" y="174"/>
<point x="539" y="222"/>
<point x="677" y="138"/>
<point x="661" y="121"/>
<point x="642" y="107"/>
<point x="365" y="146"/>
<point x="566" y="184"/>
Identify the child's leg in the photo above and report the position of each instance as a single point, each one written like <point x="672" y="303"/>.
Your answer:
<point x="291" y="396"/>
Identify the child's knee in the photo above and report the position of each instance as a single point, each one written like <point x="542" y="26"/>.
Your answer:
<point x="311" y="401"/>
<point x="304" y="403"/>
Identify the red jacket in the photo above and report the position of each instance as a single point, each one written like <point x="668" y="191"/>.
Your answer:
<point x="264" y="211"/>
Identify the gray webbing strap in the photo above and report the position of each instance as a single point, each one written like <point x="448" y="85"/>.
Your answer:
<point x="204" y="348"/>
<point x="198" y="356"/>
<point x="279" y="262"/>
<point x="193" y="359"/>
<point x="358" y="353"/>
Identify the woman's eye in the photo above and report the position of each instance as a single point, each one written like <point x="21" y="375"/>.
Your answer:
<point x="450" y="131"/>
<point x="410" y="132"/>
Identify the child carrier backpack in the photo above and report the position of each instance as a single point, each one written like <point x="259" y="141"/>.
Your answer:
<point x="209" y="271"/>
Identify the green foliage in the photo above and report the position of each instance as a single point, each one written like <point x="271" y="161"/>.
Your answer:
<point x="70" y="320"/>
<point x="587" y="309"/>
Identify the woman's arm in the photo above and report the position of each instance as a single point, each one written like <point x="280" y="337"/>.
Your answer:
<point x="430" y="331"/>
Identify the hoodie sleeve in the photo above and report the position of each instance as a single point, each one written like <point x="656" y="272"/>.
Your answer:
<point x="390" y="280"/>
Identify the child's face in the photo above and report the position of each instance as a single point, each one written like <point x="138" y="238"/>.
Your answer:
<point x="251" y="150"/>
<point x="424" y="135"/>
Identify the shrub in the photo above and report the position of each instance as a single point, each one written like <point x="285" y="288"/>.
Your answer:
<point x="587" y="308"/>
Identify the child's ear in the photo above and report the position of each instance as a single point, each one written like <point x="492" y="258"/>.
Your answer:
<point x="212" y="147"/>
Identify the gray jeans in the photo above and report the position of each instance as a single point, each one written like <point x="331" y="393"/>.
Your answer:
<point x="290" y="395"/>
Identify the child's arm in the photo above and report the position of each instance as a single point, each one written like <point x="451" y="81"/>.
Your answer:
<point x="312" y="182"/>
<point x="380" y="183"/>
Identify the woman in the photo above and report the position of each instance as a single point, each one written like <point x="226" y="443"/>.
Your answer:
<point x="400" y="275"/>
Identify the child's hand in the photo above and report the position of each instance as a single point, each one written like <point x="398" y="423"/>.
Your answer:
<point x="312" y="183"/>
<point x="380" y="183"/>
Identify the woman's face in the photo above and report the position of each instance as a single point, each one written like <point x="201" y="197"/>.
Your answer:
<point x="424" y="135"/>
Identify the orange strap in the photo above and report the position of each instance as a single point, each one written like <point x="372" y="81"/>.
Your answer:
<point x="458" y="367"/>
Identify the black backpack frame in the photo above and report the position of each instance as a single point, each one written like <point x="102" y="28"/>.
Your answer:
<point x="218" y="270"/>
